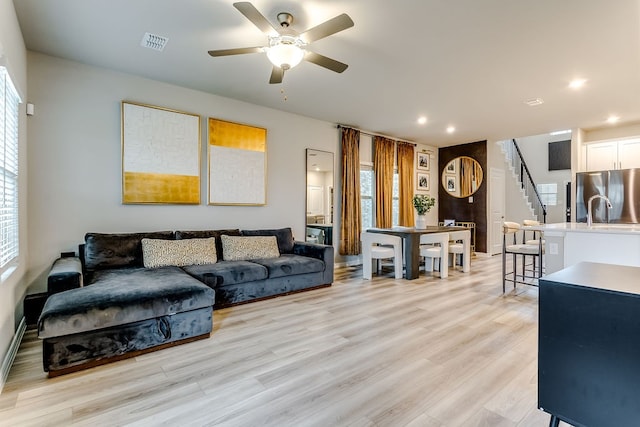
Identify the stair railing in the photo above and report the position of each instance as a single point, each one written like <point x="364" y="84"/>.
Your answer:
<point x="514" y="155"/>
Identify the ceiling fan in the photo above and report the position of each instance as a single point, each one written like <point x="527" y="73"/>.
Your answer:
<point x="287" y="47"/>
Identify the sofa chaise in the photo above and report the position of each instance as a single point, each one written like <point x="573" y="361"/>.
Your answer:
<point x="140" y="292"/>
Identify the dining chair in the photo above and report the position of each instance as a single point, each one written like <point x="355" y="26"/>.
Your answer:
<point x="510" y="231"/>
<point x="380" y="246"/>
<point x="457" y="242"/>
<point x="435" y="246"/>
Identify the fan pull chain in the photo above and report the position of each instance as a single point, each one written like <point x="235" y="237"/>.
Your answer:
<point x="284" y="95"/>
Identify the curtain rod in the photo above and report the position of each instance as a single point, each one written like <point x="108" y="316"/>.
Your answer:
<point x="339" y="126"/>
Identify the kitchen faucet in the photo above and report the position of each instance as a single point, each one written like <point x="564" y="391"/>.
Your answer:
<point x="597" y="196"/>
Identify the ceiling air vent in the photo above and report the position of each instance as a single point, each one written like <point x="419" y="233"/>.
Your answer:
<point x="154" y="41"/>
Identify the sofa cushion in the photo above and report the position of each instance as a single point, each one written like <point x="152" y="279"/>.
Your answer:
<point x="246" y="248"/>
<point x="289" y="265"/>
<point x="203" y="234"/>
<point x="225" y="273"/>
<point x="284" y="236"/>
<point x="117" y="250"/>
<point x="161" y="253"/>
<point x="122" y="296"/>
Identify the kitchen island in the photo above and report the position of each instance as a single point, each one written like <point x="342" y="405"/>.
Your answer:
<point x="569" y="243"/>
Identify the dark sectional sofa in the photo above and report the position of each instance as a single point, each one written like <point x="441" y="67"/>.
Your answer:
<point x="122" y="309"/>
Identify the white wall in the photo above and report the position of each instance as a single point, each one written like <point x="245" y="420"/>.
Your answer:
<point x="13" y="55"/>
<point x="535" y="150"/>
<point x="515" y="206"/>
<point x="611" y="132"/>
<point x="75" y="159"/>
<point x="434" y="179"/>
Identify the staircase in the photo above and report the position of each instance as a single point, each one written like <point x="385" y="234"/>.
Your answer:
<point x="520" y="172"/>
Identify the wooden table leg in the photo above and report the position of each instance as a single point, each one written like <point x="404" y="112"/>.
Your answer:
<point x="412" y="256"/>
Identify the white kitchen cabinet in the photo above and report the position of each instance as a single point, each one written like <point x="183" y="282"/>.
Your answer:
<point x="629" y="154"/>
<point x="608" y="155"/>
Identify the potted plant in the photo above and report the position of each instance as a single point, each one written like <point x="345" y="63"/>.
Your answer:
<point x="423" y="204"/>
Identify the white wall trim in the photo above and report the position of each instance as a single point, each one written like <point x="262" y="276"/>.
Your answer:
<point x="12" y="352"/>
<point x="350" y="263"/>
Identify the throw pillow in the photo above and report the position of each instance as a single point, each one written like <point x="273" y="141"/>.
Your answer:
<point x="284" y="236"/>
<point x="204" y="234"/>
<point x="245" y="248"/>
<point x="161" y="253"/>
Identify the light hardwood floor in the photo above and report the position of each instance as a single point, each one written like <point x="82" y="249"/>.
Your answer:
<point x="385" y="352"/>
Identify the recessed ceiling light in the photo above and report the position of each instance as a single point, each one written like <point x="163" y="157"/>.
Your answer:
<point x="577" y="83"/>
<point x="422" y="120"/>
<point x="451" y="129"/>
<point x="613" y="119"/>
<point x="533" y="102"/>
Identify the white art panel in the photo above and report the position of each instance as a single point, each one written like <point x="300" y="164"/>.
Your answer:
<point x="160" y="155"/>
<point x="160" y="141"/>
<point x="238" y="176"/>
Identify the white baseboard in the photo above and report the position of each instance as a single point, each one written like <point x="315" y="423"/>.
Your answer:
<point x="11" y="353"/>
<point x="348" y="263"/>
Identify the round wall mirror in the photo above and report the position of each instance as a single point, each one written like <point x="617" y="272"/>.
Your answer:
<point x="462" y="176"/>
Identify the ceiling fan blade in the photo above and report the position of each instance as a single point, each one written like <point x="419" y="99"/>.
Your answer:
<point x="332" y="26"/>
<point x="277" y="74"/>
<point x="238" y="51"/>
<point x="252" y="14"/>
<point x="325" y="62"/>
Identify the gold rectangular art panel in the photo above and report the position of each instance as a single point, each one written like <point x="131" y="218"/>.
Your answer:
<point x="237" y="164"/>
<point x="160" y="155"/>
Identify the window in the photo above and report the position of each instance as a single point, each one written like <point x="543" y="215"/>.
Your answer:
<point x="548" y="194"/>
<point x="368" y="196"/>
<point x="9" y="101"/>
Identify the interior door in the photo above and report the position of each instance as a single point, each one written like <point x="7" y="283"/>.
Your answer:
<point x="497" y="208"/>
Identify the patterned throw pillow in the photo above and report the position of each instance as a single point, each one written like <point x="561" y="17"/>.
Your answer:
<point x="245" y="248"/>
<point x="160" y="253"/>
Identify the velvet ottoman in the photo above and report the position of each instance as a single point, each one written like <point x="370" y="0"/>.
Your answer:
<point x="130" y="310"/>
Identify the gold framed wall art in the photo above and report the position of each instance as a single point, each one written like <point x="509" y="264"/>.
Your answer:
<point x="237" y="164"/>
<point x="160" y="155"/>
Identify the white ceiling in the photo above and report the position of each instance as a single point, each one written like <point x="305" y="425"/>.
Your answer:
<point x="466" y="63"/>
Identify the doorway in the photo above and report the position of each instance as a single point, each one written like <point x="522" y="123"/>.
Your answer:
<point x="497" y="208"/>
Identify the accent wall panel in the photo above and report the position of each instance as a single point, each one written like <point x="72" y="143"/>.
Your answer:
<point x="160" y="155"/>
<point x="237" y="164"/>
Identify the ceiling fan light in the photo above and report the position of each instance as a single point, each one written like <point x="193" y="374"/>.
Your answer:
<point x="285" y="56"/>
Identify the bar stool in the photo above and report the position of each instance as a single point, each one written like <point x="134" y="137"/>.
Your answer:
<point x="515" y="249"/>
<point x="372" y="249"/>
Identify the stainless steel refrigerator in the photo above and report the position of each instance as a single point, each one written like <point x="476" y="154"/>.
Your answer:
<point x="622" y="188"/>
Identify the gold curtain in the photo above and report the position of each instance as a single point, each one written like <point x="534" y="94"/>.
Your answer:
<point x="466" y="175"/>
<point x="405" y="178"/>
<point x="350" y="215"/>
<point x="384" y="150"/>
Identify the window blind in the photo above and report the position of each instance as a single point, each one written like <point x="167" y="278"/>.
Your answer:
<point x="9" y="101"/>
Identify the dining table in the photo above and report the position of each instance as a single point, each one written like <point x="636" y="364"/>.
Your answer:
<point x="411" y="245"/>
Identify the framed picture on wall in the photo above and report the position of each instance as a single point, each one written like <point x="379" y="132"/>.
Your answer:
<point x="451" y="166"/>
<point x="160" y="155"/>
<point x="422" y="183"/>
<point x="451" y="184"/>
<point x="423" y="161"/>
<point x="237" y="164"/>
